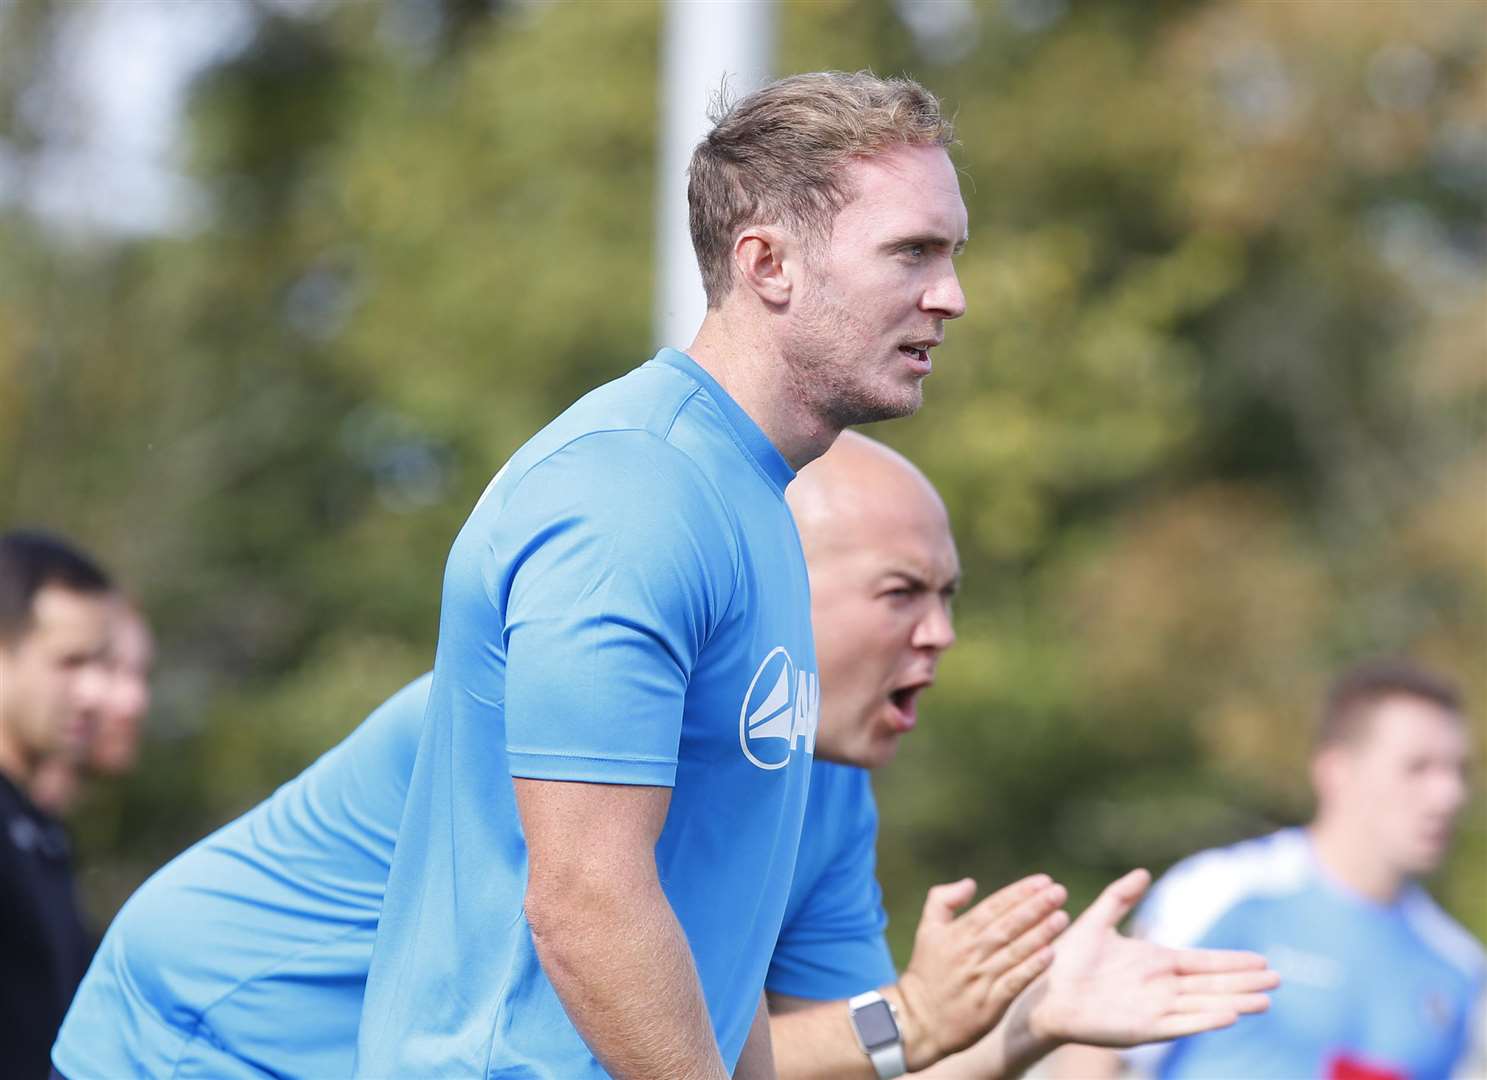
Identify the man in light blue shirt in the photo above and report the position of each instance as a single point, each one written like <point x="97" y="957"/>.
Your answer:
<point x="604" y="812"/>
<point x="883" y="570"/>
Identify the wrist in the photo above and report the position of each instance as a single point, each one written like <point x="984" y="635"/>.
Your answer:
<point x="921" y="1049"/>
<point x="1041" y="1033"/>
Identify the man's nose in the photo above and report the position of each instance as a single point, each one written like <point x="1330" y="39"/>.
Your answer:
<point x="945" y="297"/>
<point x="936" y="630"/>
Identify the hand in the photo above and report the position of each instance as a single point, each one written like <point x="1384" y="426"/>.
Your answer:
<point x="965" y="971"/>
<point x="1104" y="989"/>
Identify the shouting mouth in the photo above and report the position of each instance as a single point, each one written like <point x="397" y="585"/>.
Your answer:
<point x="904" y="706"/>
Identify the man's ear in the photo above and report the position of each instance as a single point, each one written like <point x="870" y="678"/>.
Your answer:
<point x="767" y="262"/>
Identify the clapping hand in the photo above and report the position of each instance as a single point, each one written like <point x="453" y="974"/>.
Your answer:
<point x="1105" y="989"/>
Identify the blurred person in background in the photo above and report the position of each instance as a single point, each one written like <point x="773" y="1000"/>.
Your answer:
<point x="251" y="950"/>
<point x="114" y="748"/>
<point x="113" y="742"/>
<point x="55" y="609"/>
<point x="1379" y="982"/>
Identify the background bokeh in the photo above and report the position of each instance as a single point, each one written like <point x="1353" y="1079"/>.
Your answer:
<point x="1213" y="425"/>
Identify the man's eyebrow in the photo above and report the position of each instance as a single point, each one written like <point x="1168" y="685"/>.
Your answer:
<point x="917" y="581"/>
<point x="931" y="240"/>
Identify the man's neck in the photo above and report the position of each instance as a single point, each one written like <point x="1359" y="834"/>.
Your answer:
<point x="15" y="764"/>
<point x="749" y="366"/>
<point x="1354" y="861"/>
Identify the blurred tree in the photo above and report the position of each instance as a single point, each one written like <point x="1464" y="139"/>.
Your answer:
<point x="1211" y="428"/>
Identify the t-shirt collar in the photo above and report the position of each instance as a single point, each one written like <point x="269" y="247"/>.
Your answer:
<point x="764" y="452"/>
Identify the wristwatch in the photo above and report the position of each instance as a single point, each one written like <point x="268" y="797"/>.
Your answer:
<point x="875" y="1023"/>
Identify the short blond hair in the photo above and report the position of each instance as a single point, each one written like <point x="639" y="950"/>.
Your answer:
<point x="776" y="156"/>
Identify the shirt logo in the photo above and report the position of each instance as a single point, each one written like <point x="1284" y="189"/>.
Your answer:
<point x="780" y="712"/>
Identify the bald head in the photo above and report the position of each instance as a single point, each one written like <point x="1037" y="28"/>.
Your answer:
<point x="855" y="490"/>
<point x="883" y="567"/>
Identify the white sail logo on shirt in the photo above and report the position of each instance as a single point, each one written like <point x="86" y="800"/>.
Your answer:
<point x="780" y="711"/>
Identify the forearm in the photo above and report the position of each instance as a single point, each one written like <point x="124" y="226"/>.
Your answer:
<point x="619" y="962"/>
<point x="756" y="1062"/>
<point x="815" y="1041"/>
<point x="1005" y="1052"/>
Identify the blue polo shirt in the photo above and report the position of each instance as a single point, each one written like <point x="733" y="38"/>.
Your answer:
<point x="627" y="604"/>
<point x="1367" y="989"/>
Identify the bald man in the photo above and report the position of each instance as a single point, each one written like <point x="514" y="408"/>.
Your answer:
<point x="883" y="570"/>
<point x="248" y="953"/>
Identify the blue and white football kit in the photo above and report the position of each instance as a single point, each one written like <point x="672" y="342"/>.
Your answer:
<point x="628" y="604"/>
<point x="1368" y="991"/>
<point x="247" y="954"/>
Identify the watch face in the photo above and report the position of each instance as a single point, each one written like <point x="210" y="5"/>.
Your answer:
<point x="875" y="1025"/>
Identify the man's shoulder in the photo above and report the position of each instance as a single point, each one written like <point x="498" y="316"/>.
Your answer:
<point x="616" y="444"/>
<point x="1442" y="935"/>
<point x="1201" y="889"/>
<point x="648" y="398"/>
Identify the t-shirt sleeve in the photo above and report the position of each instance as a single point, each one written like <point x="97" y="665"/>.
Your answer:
<point x="831" y="945"/>
<point x="1187" y="903"/>
<point x="624" y="564"/>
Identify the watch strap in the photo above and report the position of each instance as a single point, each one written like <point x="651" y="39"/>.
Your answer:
<point x="889" y="1061"/>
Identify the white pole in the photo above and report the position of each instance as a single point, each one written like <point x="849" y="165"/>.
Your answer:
<point x="702" y="40"/>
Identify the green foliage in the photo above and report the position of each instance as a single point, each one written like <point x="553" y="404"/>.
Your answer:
<point x="1211" y="428"/>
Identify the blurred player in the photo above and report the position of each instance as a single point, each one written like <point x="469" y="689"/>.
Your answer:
<point x="54" y="612"/>
<point x="113" y="742"/>
<point x="114" y="748"/>
<point x="1380" y="984"/>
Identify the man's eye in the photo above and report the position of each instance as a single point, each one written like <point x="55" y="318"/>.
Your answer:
<point x="914" y="251"/>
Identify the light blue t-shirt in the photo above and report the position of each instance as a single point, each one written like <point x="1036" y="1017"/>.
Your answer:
<point x="247" y="954"/>
<point x="831" y="945"/>
<point x="626" y="604"/>
<point x="1367" y="989"/>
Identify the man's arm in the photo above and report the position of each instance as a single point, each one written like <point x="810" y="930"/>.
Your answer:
<point x="605" y="933"/>
<point x="963" y="974"/>
<point x="756" y="1062"/>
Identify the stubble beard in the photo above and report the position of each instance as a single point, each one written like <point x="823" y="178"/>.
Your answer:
<point x="828" y="374"/>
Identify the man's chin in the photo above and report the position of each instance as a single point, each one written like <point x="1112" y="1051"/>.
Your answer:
<point x="881" y="751"/>
<point x="871" y="754"/>
<point x="871" y="410"/>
